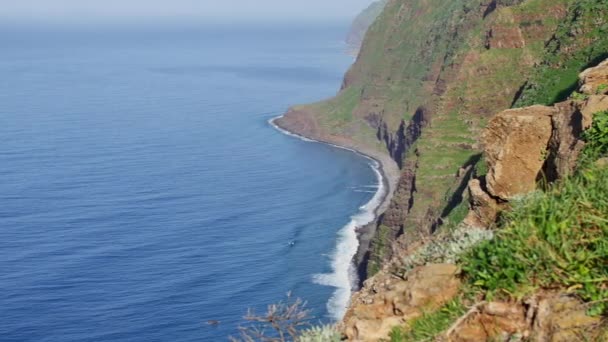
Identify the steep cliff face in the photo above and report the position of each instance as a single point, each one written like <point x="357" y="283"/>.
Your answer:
<point x="521" y="282"/>
<point x="578" y="43"/>
<point x="445" y="84"/>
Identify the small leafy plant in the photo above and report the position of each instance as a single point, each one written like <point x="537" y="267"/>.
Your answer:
<point x="601" y="89"/>
<point x="323" y="333"/>
<point x="445" y="249"/>
<point x="576" y="96"/>
<point x="596" y="138"/>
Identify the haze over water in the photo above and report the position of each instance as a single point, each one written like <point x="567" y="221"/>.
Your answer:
<point x="143" y="191"/>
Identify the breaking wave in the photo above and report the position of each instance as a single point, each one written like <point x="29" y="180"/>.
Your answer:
<point x="344" y="275"/>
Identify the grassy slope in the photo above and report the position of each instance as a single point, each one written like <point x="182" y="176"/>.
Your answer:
<point x="580" y="41"/>
<point x="390" y="71"/>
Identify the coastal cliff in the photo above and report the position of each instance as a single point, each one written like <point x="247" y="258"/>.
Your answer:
<point x="505" y="272"/>
<point x="429" y="76"/>
<point x="427" y="96"/>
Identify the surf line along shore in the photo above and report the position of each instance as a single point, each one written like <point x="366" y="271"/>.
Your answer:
<point x="355" y="237"/>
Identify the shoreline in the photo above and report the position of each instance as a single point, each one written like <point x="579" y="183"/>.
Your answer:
<point x="388" y="175"/>
<point x="389" y="180"/>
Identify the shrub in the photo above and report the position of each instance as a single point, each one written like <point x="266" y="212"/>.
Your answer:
<point x="576" y="96"/>
<point x="596" y="138"/>
<point x="445" y="249"/>
<point x="430" y="324"/>
<point x="323" y="333"/>
<point x="553" y="239"/>
<point x="282" y="322"/>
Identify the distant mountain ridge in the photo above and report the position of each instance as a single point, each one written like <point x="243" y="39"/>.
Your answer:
<point x="361" y="23"/>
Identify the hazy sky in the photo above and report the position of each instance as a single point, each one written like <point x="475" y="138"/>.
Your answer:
<point x="148" y="10"/>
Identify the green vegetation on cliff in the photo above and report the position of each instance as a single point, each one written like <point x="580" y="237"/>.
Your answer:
<point x="430" y="324"/>
<point x="557" y="238"/>
<point x="551" y="241"/>
<point x="458" y="63"/>
<point x="429" y="76"/>
<point x="580" y="41"/>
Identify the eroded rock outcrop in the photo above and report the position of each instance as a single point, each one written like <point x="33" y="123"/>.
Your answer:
<point x="594" y="81"/>
<point x="389" y="301"/>
<point x="548" y="317"/>
<point x="484" y="208"/>
<point x="538" y="143"/>
<point x="515" y="142"/>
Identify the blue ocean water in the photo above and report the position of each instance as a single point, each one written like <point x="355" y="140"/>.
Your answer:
<point x="143" y="191"/>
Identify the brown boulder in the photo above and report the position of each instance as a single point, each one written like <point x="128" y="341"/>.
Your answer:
<point x="516" y="147"/>
<point x="593" y="104"/>
<point x="594" y="81"/>
<point x="494" y="321"/>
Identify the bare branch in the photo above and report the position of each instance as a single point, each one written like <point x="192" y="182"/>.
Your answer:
<point x="281" y="322"/>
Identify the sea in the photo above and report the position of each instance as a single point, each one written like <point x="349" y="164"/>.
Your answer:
<point x="145" y="192"/>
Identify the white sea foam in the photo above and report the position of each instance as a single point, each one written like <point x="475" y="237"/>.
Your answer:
<point x="364" y="191"/>
<point x="344" y="274"/>
<point x="365" y="187"/>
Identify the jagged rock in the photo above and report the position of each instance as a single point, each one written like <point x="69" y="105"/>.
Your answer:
<point x="494" y="321"/>
<point x="561" y="318"/>
<point x="524" y="145"/>
<point x="552" y="317"/>
<point x="594" y="81"/>
<point x="394" y="216"/>
<point x="516" y="145"/>
<point x="397" y="300"/>
<point x="569" y="121"/>
<point x="484" y="208"/>
<point x="565" y="144"/>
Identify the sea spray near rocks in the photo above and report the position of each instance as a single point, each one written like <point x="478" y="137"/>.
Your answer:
<point x="344" y="274"/>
